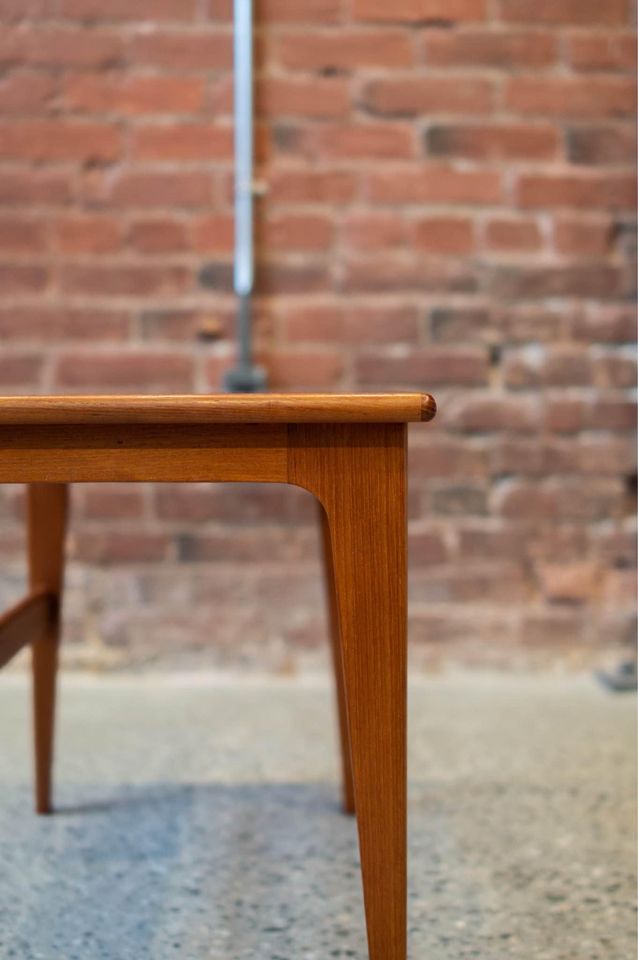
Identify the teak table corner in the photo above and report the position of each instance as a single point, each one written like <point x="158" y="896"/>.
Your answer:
<point x="347" y="450"/>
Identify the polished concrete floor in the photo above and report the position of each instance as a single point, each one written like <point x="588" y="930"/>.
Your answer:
<point x="198" y="818"/>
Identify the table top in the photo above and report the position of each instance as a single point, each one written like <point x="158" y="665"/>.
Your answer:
<point x="220" y="408"/>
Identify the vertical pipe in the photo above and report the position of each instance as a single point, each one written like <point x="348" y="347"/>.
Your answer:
<point x="243" y="54"/>
<point x="245" y="377"/>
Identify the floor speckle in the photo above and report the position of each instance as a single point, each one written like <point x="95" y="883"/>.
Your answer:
<point x="198" y="818"/>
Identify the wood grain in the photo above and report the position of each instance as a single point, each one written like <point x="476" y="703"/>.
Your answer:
<point x="220" y="408"/>
<point x="347" y="785"/>
<point x="22" y="623"/>
<point x="358" y="474"/>
<point x="350" y="452"/>
<point x="142" y="452"/>
<point x="47" y="514"/>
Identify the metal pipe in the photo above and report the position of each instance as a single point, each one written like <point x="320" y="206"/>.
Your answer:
<point x="243" y="59"/>
<point x="245" y="377"/>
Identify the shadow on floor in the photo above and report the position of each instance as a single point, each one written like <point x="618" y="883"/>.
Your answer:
<point x="215" y="871"/>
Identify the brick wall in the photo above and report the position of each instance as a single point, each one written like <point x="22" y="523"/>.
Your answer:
<point x="448" y="203"/>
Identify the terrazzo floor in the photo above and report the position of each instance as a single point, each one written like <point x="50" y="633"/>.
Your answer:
<point x="198" y="818"/>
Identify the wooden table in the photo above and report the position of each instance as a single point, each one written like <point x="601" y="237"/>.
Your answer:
<point x="347" y="450"/>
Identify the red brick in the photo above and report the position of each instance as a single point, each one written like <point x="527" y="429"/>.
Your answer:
<point x="217" y="275"/>
<point x="426" y="547"/>
<point x="220" y="10"/>
<point x="493" y="141"/>
<point x="458" y="500"/>
<point x="501" y="542"/>
<point x="588" y="499"/>
<point x="565" y="415"/>
<point x="183" y="50"/>
<point x="214" y="233"/>
<point x="355" y="325"/>
<point x="604" y="414"/>
<point x="297" y="369"/>
<point x="520" y="323"/>
<point x="362" y="141"/>
<point x="45" y="324"/>
<point x="414" y="96"/>
<point x="22" y="236"/>
<point x="186" y="502"/>
<point x="596" y="280"/>
<point x="543" y="301"/>
<point x="572" y="96"/>
<point x="18" y="9"/>
<point x="120" y="546"/>
<point x="182" y="141"/>
<point x="416" y="368"/>
<point x="477" y="583"/>
<point x="607" y="455"/>
<point x="447" y="456"/>
<point x="611" y="324"/>
<point x="447" y="235"/>
<point x="579" y="12"/>
<point x="154" y="10"/>
<point x="398" y="273"/>
<point x="130" y="94"/>
<point x="620" y="590"/>
<point x="58" y="140"/>
<point x="292" y="11"/>
<point x="416" y="11"/>
<point x="602" y="144"/>
<point x="343" y="50"/>
<point x="272" y="139"/>
<point x="221" y="99"/>
<point x="159" y="236"/>
<point x="112" y="501"/>
<point x="434" y="184"/>
<point x="374" y="231"/>
<point x="20" y="370"/>
<point x="560" y="367"/>
<point x="145" y="371"/>
<point x="320" y="323"/>
<point x="534" y="457"/>
<point x="288" y="278"/>
<point x="502" y="49"/>
<point x="553" y="629"/>
<point x="32" y="187"/>
<point x="87" y="234"/>
<point x="485" y="414"/>
<point x="580" y="237"/>
<point x="53" y="46"/>
<point x="124" y="280"/>
<point x="155" y="189"/>
<point x="26" y="92"/>
<point x="307" y="185"/>
<point x="17" y="278"/>
<point x="616" y="548"/>
<point x="184" y="323"/>
<point x="616" y="370"/>
<point x="293" y="97"/>
<point x="248" y="504"/>
<point x="520" y="500"/>
<point x="580" y="190"/>
<point x="296" y="232"/>
<point x="512" y="235"/>
<point x="602" y="51"/>
<point x="273" y="545"/>
<point x="461" y="324"/>
<point x="562" y="543"/>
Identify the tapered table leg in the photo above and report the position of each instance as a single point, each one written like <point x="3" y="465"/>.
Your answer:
<point x="47" y="512"/>
<point x="337" y="662"/>
<point x="358" y="473"/>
